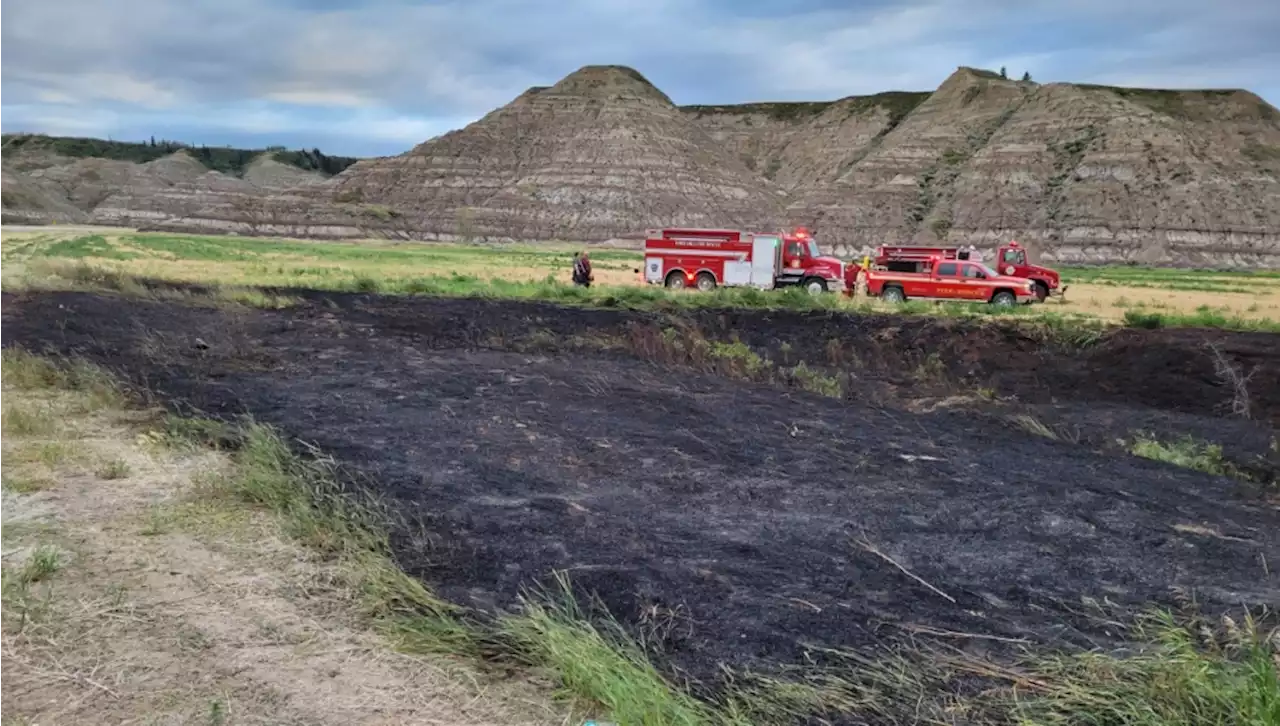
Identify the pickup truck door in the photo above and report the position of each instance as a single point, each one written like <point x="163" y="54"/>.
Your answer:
<point x="947" y="282"/>
<point x="975" y="283"/>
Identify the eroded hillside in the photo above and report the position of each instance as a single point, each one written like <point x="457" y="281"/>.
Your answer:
<point x="1080" y="173"/>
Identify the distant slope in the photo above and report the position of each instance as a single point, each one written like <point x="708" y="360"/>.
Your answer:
<point x="1084" y="173"/>
<point x="602" y="153"/>
<point x="25" y="201"/>
<point x="34" y="150"/>
<point x="799" y="144"/>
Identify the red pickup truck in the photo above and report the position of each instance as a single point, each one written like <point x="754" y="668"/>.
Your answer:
<point x="951" y="280"/>
<point x="1011" y="259"/>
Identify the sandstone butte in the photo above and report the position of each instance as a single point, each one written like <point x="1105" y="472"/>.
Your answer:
<point x="1082" y="174"/>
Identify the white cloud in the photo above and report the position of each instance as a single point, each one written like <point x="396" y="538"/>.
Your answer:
<point x="319" y="97"/>
<point x="60" y="120"/>
<point x="397" y="71"/>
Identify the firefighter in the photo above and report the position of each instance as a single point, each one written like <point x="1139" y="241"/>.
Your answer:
<point x="582" y="269"/>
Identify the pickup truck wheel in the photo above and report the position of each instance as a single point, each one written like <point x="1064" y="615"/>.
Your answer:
<point x="893" y="295"/>
<point x="675" y="280"/>
<point x="1003" y="298"/>
<point x="706" y="282"/>
<point x="815" y="285"/>
<point x="1041" y="290"/>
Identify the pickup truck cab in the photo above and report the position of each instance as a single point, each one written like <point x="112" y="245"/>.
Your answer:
<point x="951" y="280"/>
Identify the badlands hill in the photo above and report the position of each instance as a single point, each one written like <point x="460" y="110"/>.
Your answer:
<point x="1083" y="173"/>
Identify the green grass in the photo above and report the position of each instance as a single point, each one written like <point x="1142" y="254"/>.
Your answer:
<point x="21" y="420"/>
<point x="1179" y="679"/>
<point x="1204" y="317"/>
<point x="1185" y="452"/>
<point x="23" y="602"/>
<point x="97" y="387"/>
<point x="597" y="660"/>
<point x="87" y="246"/>
<point x="114" y="469"/>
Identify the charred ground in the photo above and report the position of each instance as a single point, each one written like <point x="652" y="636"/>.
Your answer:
<point x="733" y="521"/>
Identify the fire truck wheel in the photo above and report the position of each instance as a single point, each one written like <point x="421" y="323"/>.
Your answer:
<point x="893" y="295"/>
<point x="675" y="280"/>
<point x="815" y="285"/>
<point x="1003" y="298"/>
<point x="706" y="281"/>
<point x="1042" y="291"/>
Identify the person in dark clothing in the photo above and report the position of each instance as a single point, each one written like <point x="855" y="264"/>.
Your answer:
<point x="582" y="269"/>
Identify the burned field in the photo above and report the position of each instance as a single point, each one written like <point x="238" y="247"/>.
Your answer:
<point x="733" y="519"/>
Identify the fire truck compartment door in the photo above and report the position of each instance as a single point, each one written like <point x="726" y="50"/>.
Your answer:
<point x="653" y="269"/>
<point x="737" y="272"/>
<point x="764" y="260"/>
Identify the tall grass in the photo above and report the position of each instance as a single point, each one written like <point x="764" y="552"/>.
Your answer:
<point x="1204" y="317"/>
<point x="1178" y="679"/>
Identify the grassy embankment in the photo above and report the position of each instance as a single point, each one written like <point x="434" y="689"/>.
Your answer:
<point x="1193" y="672"/>
<point x="1132" y="296"/>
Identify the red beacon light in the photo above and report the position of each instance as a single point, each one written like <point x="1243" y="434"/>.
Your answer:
<point x="802" y="232"/>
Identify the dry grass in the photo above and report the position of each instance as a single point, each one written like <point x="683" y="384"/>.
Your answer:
<point x="1111" y="302"/>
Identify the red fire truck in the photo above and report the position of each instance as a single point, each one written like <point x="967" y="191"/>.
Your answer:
<point x="707" y="258"/>
<point x="1011" y="260"/>
<point x="951" y="280"/>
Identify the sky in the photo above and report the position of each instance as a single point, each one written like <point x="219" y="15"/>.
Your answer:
<point x="377" y="77"/>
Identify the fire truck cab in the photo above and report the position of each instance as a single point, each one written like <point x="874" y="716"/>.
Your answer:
<point x="708" y="258"/>
<point x="1011" y="260"/>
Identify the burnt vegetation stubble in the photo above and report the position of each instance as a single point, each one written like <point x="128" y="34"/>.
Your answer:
<point x="728" y="521"/>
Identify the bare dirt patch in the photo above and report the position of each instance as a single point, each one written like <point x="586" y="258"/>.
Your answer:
<point x="133" y="595"/>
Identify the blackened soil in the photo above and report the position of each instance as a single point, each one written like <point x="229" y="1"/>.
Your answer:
<point x="727" y="522"/>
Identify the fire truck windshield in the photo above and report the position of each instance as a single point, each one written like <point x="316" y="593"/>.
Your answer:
<point x="813" y="248"/>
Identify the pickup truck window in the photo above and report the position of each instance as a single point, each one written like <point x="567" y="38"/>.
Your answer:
<point x="974" y="271"/>
<point x="947" y="269"/>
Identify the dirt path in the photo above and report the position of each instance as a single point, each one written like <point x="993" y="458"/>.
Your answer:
<point x="134" y="595"/>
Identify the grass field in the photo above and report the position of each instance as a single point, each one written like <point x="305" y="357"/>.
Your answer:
<point x="1128" y="295"/>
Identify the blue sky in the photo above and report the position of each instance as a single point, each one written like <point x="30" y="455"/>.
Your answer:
<point x="377" y="77"/>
